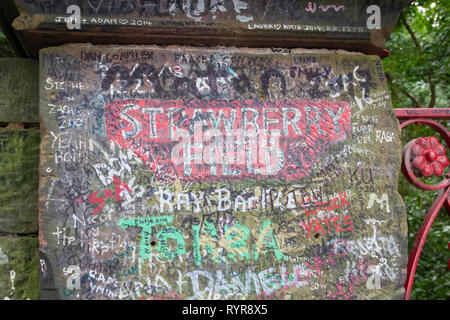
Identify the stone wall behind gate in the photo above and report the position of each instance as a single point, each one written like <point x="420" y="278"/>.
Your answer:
<point x="218" y="173"/>
<point x="19" y="161"/>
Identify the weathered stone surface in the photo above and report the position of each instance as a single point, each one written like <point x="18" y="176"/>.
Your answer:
<point x="255" y="23"/>
<point x="219" y="173"/>
<point x="19" y="162"/>
<point x="19" y="269"/>
<point x="19" y="93"/>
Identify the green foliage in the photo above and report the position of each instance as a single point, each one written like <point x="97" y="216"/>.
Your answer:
<point x="5" y="50"/>
<point x="413" y="69"/>
<point x="409" y="65"/>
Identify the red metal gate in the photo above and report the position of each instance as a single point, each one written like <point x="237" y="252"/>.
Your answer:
<point x="425" y="157"/>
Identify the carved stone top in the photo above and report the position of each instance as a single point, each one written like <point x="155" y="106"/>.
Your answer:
<point x="353" y="25"/>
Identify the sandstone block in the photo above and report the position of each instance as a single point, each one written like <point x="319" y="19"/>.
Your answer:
<point x="19" y="163"/>
<point x="19" y="94"/>
<point x="220" y="173"/>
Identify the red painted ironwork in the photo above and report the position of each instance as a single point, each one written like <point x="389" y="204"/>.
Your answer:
<point x="384" y="54"/>
<point x="414" y="113"/>
<point x="428" y="158"/>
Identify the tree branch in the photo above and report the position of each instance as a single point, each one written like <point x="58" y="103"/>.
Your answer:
<point x="413" y="36"/>
<point x="416" y="101"/>
<point x="412" y="97"/>
<point x="430" y="80"/>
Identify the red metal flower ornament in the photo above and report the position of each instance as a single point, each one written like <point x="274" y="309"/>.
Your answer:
<point x="429" y="156"/>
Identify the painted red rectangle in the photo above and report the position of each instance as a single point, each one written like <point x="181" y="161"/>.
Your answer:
<point x="229" y="140"/>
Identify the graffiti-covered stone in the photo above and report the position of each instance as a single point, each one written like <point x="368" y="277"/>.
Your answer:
<point x="19" y="93"/>
<point x="353" y="25"/>
<point x="19" y="269"/>
<point x="219" y="173"/>
<point x="19" y="164"/>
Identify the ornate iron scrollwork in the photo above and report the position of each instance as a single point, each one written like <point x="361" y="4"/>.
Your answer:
<point x="425" y="157"/>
